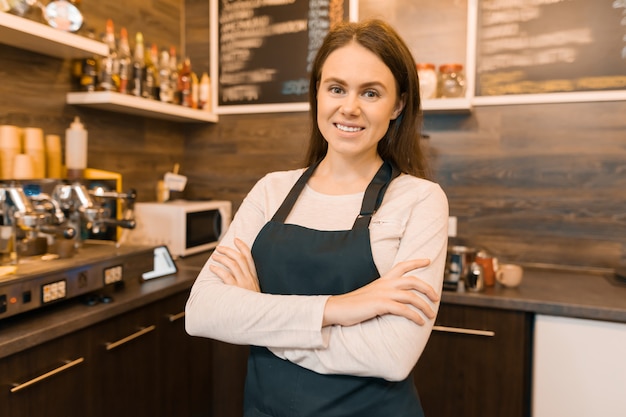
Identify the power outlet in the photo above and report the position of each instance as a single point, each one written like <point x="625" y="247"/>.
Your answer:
<point x="452" y="226"/>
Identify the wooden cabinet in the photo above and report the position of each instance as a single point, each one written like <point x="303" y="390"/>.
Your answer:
<point x="184" y="364"/>
<point x="49" y="380"/>
<point x="476" y="363"/>
<point x="124" y="366"/>
<point x="140" y="363"/>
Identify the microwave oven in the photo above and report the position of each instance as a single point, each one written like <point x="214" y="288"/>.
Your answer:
<point x="186" y="227"/>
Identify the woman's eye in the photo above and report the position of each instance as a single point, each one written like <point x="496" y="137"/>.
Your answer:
<point x="335" y="90"/>
<point x="371" y="94"/>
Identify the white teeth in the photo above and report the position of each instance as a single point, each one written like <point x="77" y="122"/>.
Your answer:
<point x="347" y="128"/>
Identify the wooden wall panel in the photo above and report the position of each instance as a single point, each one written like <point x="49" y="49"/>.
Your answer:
<point x="532" y="183"/>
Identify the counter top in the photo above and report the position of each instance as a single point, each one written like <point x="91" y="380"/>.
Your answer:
<point x="30" y="329"/>
<point x="567" y="293"/>
<point x="557" y="292"/>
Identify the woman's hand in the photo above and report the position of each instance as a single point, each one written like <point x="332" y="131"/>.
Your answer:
<point x="393" y="293"/>
<point x="236" y="266"/>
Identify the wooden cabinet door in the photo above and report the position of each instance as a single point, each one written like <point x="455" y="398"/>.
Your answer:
<point x="48" y="380"/>
<point x="184" y="364"/>
<point x="476" y="364"/>
<point x="124" y="373"/>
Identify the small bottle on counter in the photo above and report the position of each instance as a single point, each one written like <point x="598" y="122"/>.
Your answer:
<point x="85" y="71"/>
<point x="427" y="74"/>
<point x="110" y="64"/>
<point x="184" y="83"/>
<point x="125" y="66"/>
<point x="451" y="81"/>
<point x="76" y="150"/>
<point x="165" y="85"/>
<point x="139" y="66"/>
<point x="175" y="92"/>
<point x="204" y="95"/>
<point x="151" y="78"/>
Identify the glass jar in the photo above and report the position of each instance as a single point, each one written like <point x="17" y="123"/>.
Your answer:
<point x="451" y="81"/>
<point x="427" y="75"/>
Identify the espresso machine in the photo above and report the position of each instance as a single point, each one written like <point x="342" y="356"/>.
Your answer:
<point x="60" y="239"/>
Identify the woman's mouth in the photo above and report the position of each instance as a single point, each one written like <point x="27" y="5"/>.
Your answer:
<point x="350" y="129"/>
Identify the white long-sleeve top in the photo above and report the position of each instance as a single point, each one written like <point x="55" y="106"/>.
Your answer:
<point x="411" y="223"/>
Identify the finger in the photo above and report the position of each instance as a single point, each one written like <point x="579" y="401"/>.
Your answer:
<point x="229" y="263"/>
<point x="247" y="254"/>
<point x="423" y="287"/>
<point x="404" y="267"/>
<point x="414" y="299"/>
<point x="412" y="264"/>
<point x="403" y="310"/>
<point x="223" y="274"/>
<point x="234" y="255"/>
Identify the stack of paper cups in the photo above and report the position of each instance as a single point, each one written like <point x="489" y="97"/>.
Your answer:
<point x="23" y="167"/>
<point x="34" y="146"/>
<point x="10" y="145"/>
<point x="53" y="156"/>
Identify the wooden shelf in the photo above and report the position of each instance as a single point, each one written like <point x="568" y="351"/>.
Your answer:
<point x="37" y="37"/>
<point x="124" y="103"/>
<point x="447" y="105"/>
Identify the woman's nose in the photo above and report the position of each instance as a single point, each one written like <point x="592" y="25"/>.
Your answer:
<point x="350" y="105"/>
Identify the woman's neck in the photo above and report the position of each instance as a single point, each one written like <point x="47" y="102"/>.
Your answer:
<point x="338" y="176"/>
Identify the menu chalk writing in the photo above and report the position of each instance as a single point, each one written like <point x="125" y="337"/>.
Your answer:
<point x="267" y="47"/>
<point x="547" y="46"/>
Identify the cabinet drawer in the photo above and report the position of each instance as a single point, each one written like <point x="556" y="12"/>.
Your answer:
<point x="52" y="376"/>
<point x="476" y="363"/>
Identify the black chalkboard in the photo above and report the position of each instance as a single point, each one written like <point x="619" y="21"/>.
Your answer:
<point x="548" y="46"/>
<point x="265" y="48"/>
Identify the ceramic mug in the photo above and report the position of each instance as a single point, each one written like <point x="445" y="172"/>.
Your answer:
<point x="509" y="275"/>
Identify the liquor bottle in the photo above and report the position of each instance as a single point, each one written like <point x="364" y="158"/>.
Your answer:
<point x="204" y="95"/>
<point x="165" y="87"/>
<point x="174" y="76"/>
<point x="184" y="83"/>
<point x="195" y="87"/>
<point x="139" y="66"/>
<point x="85" y="71"/>
<point x="125" y="71"/>
<point x="151" y="82"/>
<point x="109" y="66"/>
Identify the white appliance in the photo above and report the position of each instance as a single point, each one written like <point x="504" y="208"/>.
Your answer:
<point x="186" y="227"/>
<point x="579" y="368"/>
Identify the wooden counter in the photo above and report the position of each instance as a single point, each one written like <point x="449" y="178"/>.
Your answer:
<point x="545" y="291"/>
<point x="31" y="329"/>
<point x="557" y="292"/>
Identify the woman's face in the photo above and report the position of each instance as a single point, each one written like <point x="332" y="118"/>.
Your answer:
<point x="357" y="97"/>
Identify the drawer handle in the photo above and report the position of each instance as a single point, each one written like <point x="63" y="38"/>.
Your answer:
<point x="68" y="365"/>
<point x="460" y="330"/>
<point x="173" y="317"/>
<point x="113" y="345"/>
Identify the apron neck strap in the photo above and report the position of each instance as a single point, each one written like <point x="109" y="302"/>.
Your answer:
<point x="285" y="208"/>
<point x="371" y="202"/>
<point x="374" y="194"/>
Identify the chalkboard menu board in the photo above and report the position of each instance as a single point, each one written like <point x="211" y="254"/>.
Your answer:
<point x="263" y="50"/>
<point x="549" y="46"/>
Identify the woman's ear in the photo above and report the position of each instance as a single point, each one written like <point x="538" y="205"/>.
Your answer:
<point x="399" y="106"/>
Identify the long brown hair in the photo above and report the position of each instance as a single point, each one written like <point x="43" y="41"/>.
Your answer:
<point x="401" y="143"/>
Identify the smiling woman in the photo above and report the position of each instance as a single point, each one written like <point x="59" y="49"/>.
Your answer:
<point x="354" y="110"/>
<point x="333" y="272"/>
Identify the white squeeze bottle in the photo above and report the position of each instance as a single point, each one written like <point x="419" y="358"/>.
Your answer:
<point x="76" y="149"/>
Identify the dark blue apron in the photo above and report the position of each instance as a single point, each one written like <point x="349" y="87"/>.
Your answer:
<point x="292" y="259"/>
